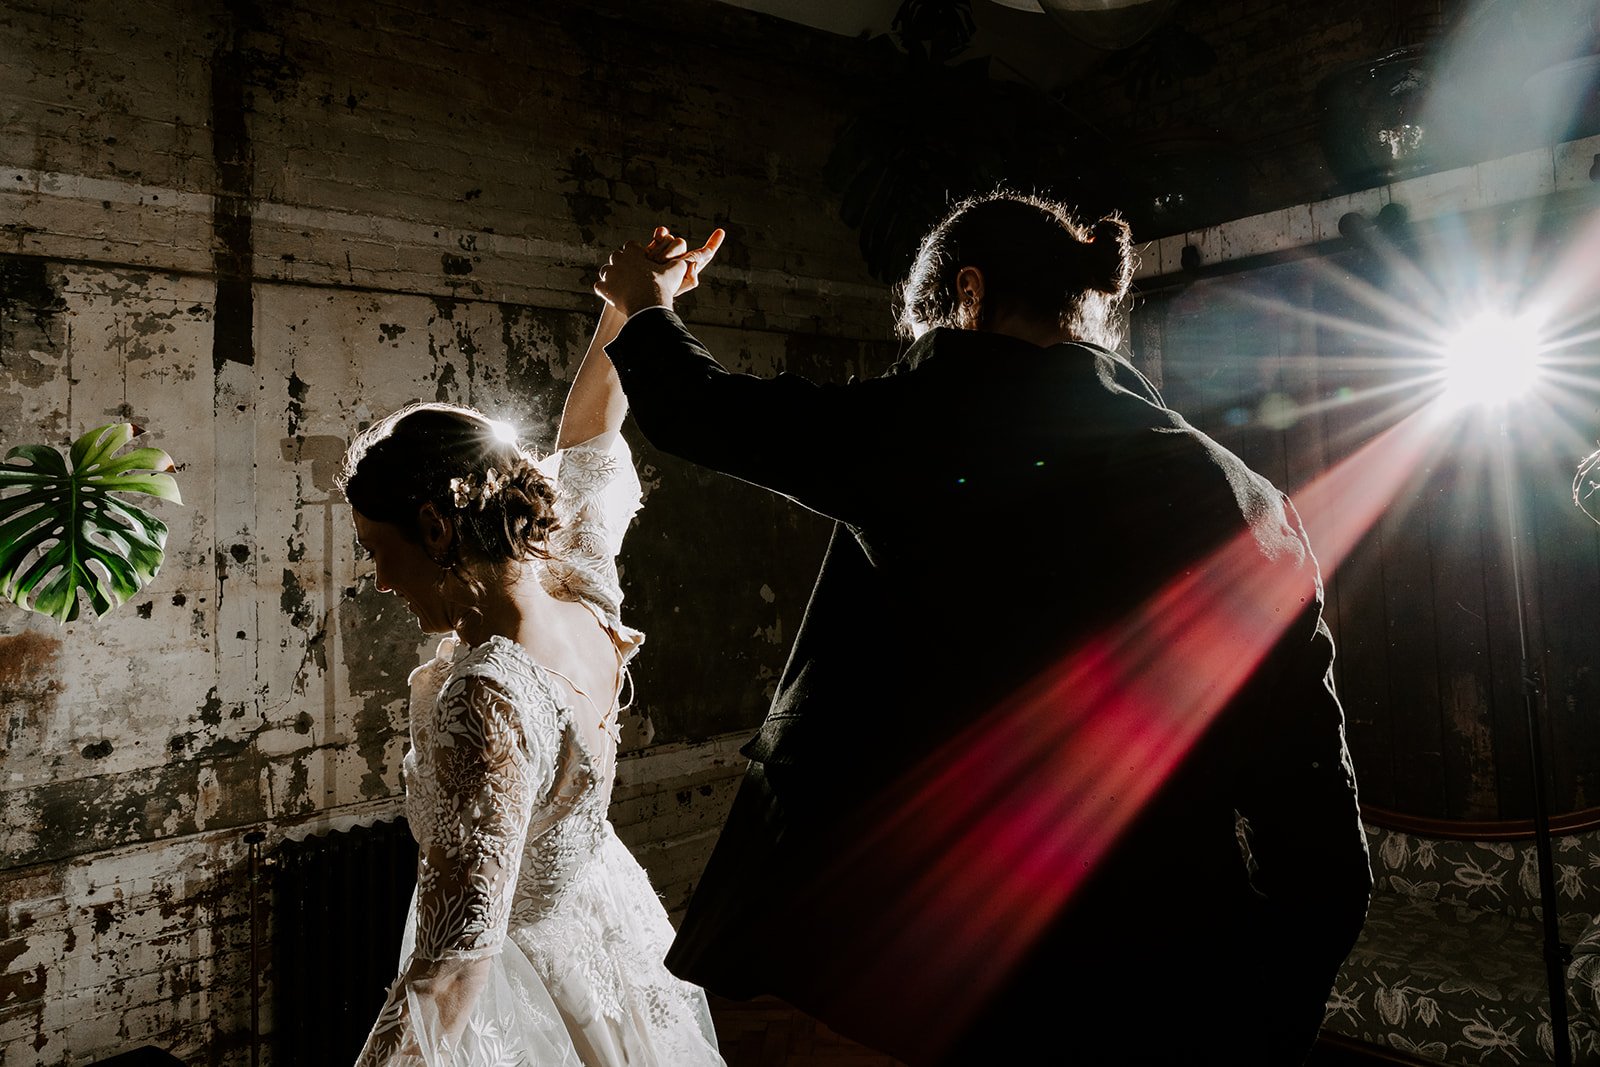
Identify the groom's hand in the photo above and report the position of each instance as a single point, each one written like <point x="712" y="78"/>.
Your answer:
<point x="641" y="276"/>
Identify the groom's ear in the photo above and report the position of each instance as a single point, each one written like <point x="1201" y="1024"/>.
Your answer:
<point x="969" y="285"/>
<point x="969" y="297"/>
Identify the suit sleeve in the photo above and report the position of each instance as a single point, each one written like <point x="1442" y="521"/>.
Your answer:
<point x="772" y="432"/>
<point x="1297" y="791"/>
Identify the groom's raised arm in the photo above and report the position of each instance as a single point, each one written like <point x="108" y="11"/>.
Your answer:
<point x="823" y="445"/>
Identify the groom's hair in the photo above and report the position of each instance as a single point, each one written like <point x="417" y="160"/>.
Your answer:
<point x="1037" y="260"/>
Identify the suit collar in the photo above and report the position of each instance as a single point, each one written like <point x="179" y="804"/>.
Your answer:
<point x="1112" y="368"/>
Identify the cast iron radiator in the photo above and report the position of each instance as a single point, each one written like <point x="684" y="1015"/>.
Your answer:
<point x="339" y="908"/>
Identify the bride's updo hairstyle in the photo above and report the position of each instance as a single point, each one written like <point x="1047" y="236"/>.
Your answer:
<point x="487" y="487"/>
<point x="1037" y="261"/>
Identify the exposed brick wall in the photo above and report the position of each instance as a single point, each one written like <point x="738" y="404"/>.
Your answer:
<point x="253" y="228"/>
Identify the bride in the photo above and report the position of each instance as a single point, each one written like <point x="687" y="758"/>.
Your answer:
<point x="534" y="936"/>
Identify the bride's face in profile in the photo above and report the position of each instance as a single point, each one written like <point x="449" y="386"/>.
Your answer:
<point x="403" y="567"/>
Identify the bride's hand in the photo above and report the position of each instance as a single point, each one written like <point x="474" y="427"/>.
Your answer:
<point x="699" y="258"/>
<point x="639" y="276"/>
<point x="664" y="246"/>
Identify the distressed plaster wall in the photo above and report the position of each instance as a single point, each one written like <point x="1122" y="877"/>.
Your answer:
<point x="254" y="228"/>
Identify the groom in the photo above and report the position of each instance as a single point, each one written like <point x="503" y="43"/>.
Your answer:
<point x="1056" y="760"/>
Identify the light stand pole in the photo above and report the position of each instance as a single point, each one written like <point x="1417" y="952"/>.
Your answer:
<point x="1555" y="953"/>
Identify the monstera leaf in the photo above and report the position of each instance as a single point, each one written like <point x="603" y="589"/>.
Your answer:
<point x="62" y="530"/>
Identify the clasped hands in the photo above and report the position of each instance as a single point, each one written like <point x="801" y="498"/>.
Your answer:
<point x="639" y="276"/>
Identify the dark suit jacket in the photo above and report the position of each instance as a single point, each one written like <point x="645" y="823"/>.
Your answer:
<point x="998" y="507"/>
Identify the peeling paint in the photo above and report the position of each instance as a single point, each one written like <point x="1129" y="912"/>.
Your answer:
<point x="211" y="710"/>
<point x="445" y="390"/>
<point x="17" y="988"/>
<point x="542" y="353"/>
<point x="293" y="602"/>
<point x="377" y="638"/>
<point x="297" y="397"/>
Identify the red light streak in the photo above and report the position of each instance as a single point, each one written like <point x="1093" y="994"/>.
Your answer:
<point x="1005" y="822"/>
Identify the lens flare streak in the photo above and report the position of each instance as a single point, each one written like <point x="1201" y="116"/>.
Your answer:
<point x="1008" y="820"/>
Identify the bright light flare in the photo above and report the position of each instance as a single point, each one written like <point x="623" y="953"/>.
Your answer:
<point x="1494" y="358"/>
<point x="503" y="431"/>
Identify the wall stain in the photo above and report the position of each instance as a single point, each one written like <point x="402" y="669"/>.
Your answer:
<point x="30" y="685"/>
<point x="297" y="396"/>
<point x="87" y="815"/>
<point x="542" y="352"/>
<point x="642" y="177"/>
<point x="444" y="390"/>
<point x="211" y="710"/>
<point x="324" y="452"/>
<point x="26" y="290"/>
<point x="20" y="988"/>
<point x="462" y="342"/>
<point x="377" y="636"/>
<point x="10" y="950"/>
<point x="137" y="333"/>
<point x="233" y="154"/>
<point x="294" y="603"/>
<point x="589" y="207"/>
<point x="99" y="750"/>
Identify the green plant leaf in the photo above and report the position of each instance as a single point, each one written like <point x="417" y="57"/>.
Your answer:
<point x="63" y="533"/>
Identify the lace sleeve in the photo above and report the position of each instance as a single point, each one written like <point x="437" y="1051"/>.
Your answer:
<point x="490" y="773"/>
<point x="597" y="495"/>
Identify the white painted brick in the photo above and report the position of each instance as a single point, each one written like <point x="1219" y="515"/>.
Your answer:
<point x="1572" y="162"/>
<point x="1519" y="177"/>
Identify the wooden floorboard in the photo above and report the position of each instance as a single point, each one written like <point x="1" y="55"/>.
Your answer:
<point x="768" y="1033"/>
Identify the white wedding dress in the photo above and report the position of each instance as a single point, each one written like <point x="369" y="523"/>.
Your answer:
<point x="534" y="937"/>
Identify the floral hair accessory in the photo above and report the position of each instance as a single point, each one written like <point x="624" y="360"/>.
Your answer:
<point x="468" y="489"/>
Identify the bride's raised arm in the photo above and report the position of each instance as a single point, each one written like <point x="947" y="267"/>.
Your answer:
<point x="595" y="405"/>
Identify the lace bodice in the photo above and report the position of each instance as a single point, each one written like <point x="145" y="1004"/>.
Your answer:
<point x="497" y="767"/>
<point x="507" y="803"/>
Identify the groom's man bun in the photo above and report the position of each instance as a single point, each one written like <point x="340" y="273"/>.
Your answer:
<point x="1037" y="260"/>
